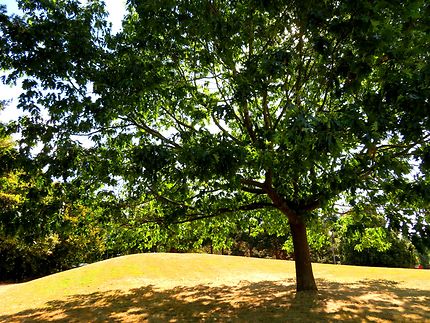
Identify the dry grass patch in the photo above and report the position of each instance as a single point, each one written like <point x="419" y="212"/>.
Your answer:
<point x="199" y="287"/>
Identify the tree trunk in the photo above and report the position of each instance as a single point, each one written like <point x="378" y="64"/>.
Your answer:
<point x="304" y="275"/>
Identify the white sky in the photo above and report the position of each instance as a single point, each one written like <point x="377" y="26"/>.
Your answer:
<point x="116" y="9"/>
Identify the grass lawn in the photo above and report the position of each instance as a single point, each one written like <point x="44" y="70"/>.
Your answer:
<point x="200" y="287"/>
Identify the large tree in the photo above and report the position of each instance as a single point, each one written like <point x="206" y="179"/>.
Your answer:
<point x="214" y="107"/>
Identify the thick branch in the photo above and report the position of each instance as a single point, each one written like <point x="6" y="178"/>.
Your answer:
<point x="202" y="216"/>
<point x="222" y="211"/>
<point x="251" y="182"/>
<point x="280" y="203"/>
<point x="253" y="190"/>
<point x="308" y="205"/>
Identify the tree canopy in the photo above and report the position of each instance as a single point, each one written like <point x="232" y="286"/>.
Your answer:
<point x="217" y="107"/>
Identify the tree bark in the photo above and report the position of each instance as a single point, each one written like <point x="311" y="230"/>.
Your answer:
<point x="304" y="275"/>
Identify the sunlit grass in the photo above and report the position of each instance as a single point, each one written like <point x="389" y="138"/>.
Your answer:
<point x="196" y="287"/>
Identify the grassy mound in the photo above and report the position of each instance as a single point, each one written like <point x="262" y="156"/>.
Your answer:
<point x="200" y="287"/>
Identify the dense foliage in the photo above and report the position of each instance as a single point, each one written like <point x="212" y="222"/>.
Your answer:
<point x="365" y="240"/>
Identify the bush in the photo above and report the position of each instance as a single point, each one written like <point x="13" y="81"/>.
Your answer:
<point x="400" y="253"/>
<point x="20" y="261"/>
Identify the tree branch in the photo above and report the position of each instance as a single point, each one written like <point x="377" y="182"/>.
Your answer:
<point x="266" y="112"/>
<point x="165" y="199"/>
<point x="284" y="109"/>
<point x="216" y="121"/>
<point x="253" y="190"/>
<point x="309" y="205"/>
<point x="280" y="203"/>
<point x="179" y="122"/>
<point x="247" y="122"/>
<point x="95" y="131"/>
<point x="202" y="216"/>
<point x="151" y="131"/>
<point x="222" y="211"/>
<point x="251" y="182"/>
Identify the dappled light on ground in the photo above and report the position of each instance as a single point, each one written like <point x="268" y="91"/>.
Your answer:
<point x="276" y="301"/>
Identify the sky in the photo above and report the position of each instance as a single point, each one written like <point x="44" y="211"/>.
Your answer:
<point x="116" y="9"/>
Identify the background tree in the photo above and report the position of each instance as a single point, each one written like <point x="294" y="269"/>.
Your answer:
<point x="420" y="238"/>
<point x="43" y="229"/>
<point x="365" y="240"/>
<point x="214" y="107"/>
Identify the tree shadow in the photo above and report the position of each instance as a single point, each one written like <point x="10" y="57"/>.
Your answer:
<point x="274" y="301"/>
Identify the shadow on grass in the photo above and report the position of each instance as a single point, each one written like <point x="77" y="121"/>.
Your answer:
<point x="247" y="302"/>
